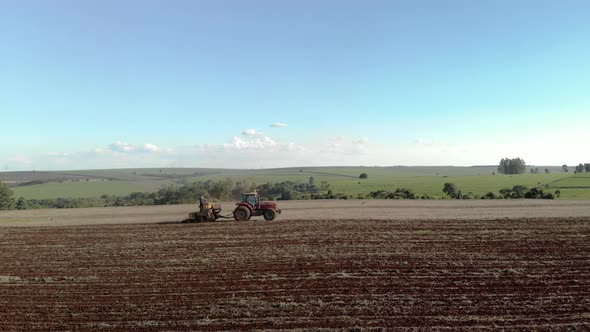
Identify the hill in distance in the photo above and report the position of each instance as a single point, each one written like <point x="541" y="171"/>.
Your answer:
<point x="421" y="179"/>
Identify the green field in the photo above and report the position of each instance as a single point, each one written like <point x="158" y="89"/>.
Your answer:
<point x="421" y="180"/>
<point x="573" y="186"/>
<point x="85" y="189"/>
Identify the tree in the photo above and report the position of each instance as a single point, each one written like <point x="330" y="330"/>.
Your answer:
<point x="6" y="199"/>
<point x="516" y="192"/>
<point x="535" y="193"/>
<point x="587" y="167"/>
<point x="519" y="191"/>
<point x="363" y="176"/>
<point x="504" y="167"/>
<point x="489" y="195"/>
<point x="506" y="192"/>
<point x="564" y="167"/>
<point x="580" y="168"/>
<point x="512" y="166"/>
<point x="450" y="189"/>
<point x="228" y="184"/>
<point x="546" y="170"/>
<point x="21" y="204"/>
<point x="287" y="195"/>
<point x="311" y="180"/>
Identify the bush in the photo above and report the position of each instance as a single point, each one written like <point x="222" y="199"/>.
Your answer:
<point x="451" y="190"/>
<point x="399" y="193"/>
<point x="21" y="204"/>
<point x="404" y="193"/>
<point x="489" y="195"/>
<point x="6" y="200"/>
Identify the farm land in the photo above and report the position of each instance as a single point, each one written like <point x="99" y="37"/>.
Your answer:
<point x="421" y="180"/>
<point x="334" y="265"/>
<point x="325" y="264"/>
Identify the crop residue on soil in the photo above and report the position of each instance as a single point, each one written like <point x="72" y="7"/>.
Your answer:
<point x="521" y="274"/>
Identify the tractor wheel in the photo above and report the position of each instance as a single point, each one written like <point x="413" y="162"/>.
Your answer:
<point x="269" y="215"/>
<point x="241" y="213"/>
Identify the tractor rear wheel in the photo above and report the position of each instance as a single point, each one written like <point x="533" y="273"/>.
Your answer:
<point x="241" y="213"/>
<point x="269" y="215"/>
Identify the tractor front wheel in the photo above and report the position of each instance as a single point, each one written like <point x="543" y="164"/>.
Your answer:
<point x="269" y="215"/>
<point x="241" y="213"/>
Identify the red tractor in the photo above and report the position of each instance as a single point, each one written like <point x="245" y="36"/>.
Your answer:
<point x="251" y="206"/>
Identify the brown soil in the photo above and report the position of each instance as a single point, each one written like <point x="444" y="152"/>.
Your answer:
<point x="305" y="210"/>
<point x="338" y="273"/>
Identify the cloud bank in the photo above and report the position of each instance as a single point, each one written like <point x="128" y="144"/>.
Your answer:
<point x="251" y="148"/>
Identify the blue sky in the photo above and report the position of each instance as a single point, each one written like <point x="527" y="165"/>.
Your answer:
<point x="100" y="84"/>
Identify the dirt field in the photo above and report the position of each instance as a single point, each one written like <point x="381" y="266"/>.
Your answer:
<point x="341" y="273"/>
<point x="306" y="210"/>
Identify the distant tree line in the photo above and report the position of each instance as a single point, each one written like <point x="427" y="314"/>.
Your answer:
<point x="229" y="189"/>
<point x="515" y="192"/>
<point x="518" y="166"/>
<point x="399" y="193"/>
<point x="223" y="190"/>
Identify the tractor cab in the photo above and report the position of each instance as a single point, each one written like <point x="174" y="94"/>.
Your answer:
<point x="251" y="198"/>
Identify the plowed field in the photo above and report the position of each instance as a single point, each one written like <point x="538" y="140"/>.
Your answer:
<point x="521" y="274"/>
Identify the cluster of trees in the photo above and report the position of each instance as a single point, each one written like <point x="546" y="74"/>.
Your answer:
<point x="453" y="192"/>
<point x="583" y="168"/>
<point x="524" y="192"/>
<point x="507" y="193"/>
<point x="518" y="166"/>
<point x="331" y="195"/>
<point x="512" y="166"/>
<point x="399" y="193"/>
<point x="290" y="190"/>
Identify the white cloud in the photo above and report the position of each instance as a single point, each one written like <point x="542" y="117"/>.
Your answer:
<point x="262" y="151"/>
<point x="362" y="141"/>
<point x="258" y="143"/>
<point x="333" y="143"/>
<point x="278" y="125"/>
<point x="151" y="148"/>
<point x="252" y="132"/>
<point x="123" y="147"/>
<point x="119" y="146"/>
